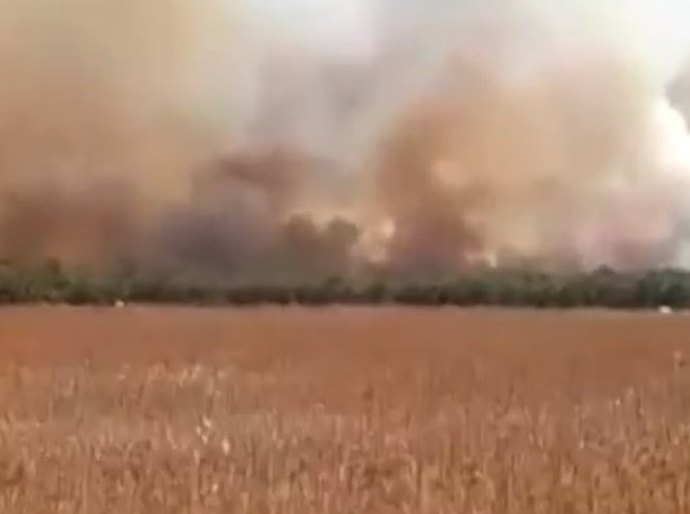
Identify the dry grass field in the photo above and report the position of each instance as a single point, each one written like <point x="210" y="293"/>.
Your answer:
<point x="388" y="410"/>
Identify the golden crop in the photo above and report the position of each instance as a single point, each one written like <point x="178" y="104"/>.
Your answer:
<point x="343" y="411"/>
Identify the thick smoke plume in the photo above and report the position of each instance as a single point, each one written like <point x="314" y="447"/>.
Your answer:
<point x="260" y="138"/>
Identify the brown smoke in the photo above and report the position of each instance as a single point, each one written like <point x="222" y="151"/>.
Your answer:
<point x="484" y="165"/>
<point x="142" y="130"/>
<point x="178" y="134"/>
<point x="570" y="161"/>
<point x="101" y="122"/>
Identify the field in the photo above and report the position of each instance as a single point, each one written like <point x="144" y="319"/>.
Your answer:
<point x="343" y="410"/>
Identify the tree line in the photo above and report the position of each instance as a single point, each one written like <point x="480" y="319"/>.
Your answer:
<point x="50" y="283"/>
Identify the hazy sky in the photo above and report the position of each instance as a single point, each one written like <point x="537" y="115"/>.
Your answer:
<point x="658" y="28"/>
<point x="345" y="27"/>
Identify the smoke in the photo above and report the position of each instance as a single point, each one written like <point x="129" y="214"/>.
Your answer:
<point x="543" y="135"/>
<point x="283" y="139"/>
<point x="99" y="95"/>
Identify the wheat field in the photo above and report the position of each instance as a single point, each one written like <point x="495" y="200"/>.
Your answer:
<point x="343" y="410"/>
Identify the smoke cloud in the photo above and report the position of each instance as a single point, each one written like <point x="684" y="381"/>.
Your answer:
<point x="259" y="138"/>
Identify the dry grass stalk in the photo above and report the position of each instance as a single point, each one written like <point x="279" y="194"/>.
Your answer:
<point x="400" y="412"/>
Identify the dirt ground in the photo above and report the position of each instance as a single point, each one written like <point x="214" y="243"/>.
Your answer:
<point x="346" y="410"/>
